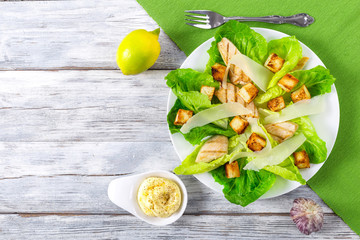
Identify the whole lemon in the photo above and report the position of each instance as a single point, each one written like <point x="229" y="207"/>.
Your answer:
<point x="138" y="51"/>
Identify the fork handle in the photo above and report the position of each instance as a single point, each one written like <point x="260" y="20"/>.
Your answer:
<point x="301" y="19"/>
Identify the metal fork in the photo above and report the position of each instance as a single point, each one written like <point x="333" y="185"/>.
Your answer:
<point x="208" y="19"/>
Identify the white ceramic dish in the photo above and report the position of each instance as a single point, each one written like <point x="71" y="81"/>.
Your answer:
<point x="326" y="124"/>
<point x="123" y="192"/>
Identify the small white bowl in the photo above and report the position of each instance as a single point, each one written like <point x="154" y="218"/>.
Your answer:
<point x="123" y="193"/>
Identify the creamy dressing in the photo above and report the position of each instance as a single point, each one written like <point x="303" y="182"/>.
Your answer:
<point x="159" y="197"/>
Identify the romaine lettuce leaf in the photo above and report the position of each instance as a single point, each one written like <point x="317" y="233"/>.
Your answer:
<point x="186" y="85"/>
<point x="187" y="79"/>
<point x="271" y="93"/>
<point x="318" y="81"/>
<point x="196" y="134"/>
<point x="314" y="146"/>
<point x="248" y="187"/>
<point x="289" y="49"/>
<point x="246" y="40"/>
<point x="287" y="170"/>
<point x="189" y="166"/>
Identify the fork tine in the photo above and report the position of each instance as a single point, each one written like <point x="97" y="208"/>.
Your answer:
<point x="197" y="21"/>
<point x="204" y="12"/>
<point x="198" y="16"/>
<point x="203" y="26"/>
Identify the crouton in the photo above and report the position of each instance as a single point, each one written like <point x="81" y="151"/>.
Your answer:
<point x="182" y="117"/>
<point x="300" y="65"/>
<point x="238" y="124"/>
<point x="248" y="92"/>
<point x="221" y="95"/>
<point x="232" y="170"/>
<point x="218" y="72"/>
<point x="274" y="63"/>
<point x="230" y="93"/>
<point x="302" y="159"/>
<point x="300" y="94"/>
<point x="237" y="76"/>
<point x="255" y="142"/>
<point x="288" y="82"/>
<point x="209" y="91"/>
<point x="276" y="104"/>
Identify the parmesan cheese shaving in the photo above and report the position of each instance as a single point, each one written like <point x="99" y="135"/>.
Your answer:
<point x="259" y="74"/>
<point x="212" y="114"/>
<point x="278" y="154"/>
<point x="302" y="108"/>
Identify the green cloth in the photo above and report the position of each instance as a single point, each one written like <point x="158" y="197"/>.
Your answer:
<point x="335" y="38"/>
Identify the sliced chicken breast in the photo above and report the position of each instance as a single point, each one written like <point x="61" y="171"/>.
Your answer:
<point x="221" y="95"/>
<point x="230" y="93"/>
<point x="282" y="130"/>
<point x="227" y="50"/>
<point x="254" y="112"/>
<point x="214" y="148"/>
<point x="237" y="76"/>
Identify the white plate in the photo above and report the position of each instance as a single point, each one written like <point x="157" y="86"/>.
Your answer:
<point x="326" y="124"/>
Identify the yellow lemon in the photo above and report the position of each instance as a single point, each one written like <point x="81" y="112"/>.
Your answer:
<point x="138" y="51"/>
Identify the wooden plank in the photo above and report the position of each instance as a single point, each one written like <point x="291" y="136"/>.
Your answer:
<point x="73" y="177"/>
<point x="79" y="194"/>
<point x="76" y="35"/>
<point x="83" y="106"/>
<point x="84" y="158"/>
<point x="189" y="227"/>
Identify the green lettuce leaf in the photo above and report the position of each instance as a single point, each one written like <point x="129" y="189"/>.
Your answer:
<point x="246" y="40"/>
<point x="314" y="146"/>
<point x="196" y="134"/>
<point x="287" y="170"/>
<point x="248" y="187"/>
<point x="189" y="80"/>
<point x="271" y="93"/>
<point x="186" y="85"/>
<point x="289" y="49"/>
<point x="318" y="80"/>
<point x="189" y="166"/>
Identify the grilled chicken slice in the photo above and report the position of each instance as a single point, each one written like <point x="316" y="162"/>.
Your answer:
<point x="254" y="112"/>
<point x="237" y="76"/>
<point x="214" y="148"/>
<point x="239" y="99"/>
<point x="227" y="50"/>
<point x="227" y="95"/>
<point x="221" y="95"/>
<point x="230" y="93"/>
<point x="301" y="64"/>
<point x="282" y="130"/>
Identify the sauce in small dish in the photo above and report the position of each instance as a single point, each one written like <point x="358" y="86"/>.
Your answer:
<point x="159" y="197"/>
<point x="156" y="197"/>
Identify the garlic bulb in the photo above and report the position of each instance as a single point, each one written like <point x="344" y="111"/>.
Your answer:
<point x="307" y="215"/>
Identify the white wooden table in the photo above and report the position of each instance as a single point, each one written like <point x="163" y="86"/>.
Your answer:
<point x="70" y="122"/>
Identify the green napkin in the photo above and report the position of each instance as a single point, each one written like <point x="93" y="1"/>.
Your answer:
<point x="335" y="38"/>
